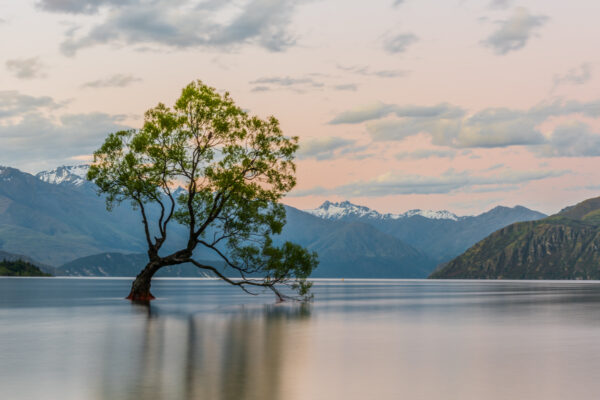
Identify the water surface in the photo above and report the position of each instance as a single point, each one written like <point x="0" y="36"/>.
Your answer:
<point x="78" y="339"/>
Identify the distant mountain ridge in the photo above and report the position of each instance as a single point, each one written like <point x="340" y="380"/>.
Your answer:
<point x="344" y="209"/>
<point x="126" y="265"/>
<point x="440" y="234"/>
<point x="563" y="246"/>
<point x="56" y="218"/>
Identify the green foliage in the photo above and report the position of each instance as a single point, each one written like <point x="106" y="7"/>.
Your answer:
<point x="19" y="268"/>
<point x="235" y="169"/>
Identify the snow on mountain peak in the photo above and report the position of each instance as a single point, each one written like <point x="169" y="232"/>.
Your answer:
<point x="68" y="174"/>
<point x="330" y="210"/>
<point x="442" y="214"/>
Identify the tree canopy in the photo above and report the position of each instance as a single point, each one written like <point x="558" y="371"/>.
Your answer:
<point x="210" y="166"/>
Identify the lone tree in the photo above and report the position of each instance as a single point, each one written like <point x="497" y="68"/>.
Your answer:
<point x="234" y="169"/>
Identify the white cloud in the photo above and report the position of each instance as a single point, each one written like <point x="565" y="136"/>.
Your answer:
<point x="367" y="71"/>
<point x="117" y="80"/>
<point x="26" y="68"/>
<point x="187" y="24"/>
<point x="451" y="126"/>
<point x="399" y="43"/>
<point x="361" y="114"/>
<point x="397" y="183"/>
<point x="77" y="6"/>
<point x="572" y="140"/>
<point x="421" y="154"/>
<point x="38" y="140"/>
<point x="575" y="76"/>
<point x="285" y="82"/>
<point x="380" y="110"/>
<point x="514" y="32"/>
<point x="500" y="4"/>
<point x="323" y="148"/>
<point x="346" y="86"/>
<point x="14" y="103"/>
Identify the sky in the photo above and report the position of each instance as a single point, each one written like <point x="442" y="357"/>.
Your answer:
<point x="399" y="104"/>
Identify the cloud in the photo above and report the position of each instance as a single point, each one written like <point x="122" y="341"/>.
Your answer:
<point x="398" y="2"/>
<point x="38" y="140"/>
<point x="323" y="148"/>
<point x="186" y="24"/>
<point x="380" y="110"/>
<point x="361" y="114"/>
<point x="261" y="89"/>
<point x="26" y="68"/>
<point x="572" y="140"/>
<point x="77" y="6"/>
<point x="366" y="71"/>
<point x="495" y="167"/>
<point x="397" y="183"/>
<point x="451" y="126"/>
<point x="14" y="104"/>
<point x="117" y="80"/>
<point x="347" y="86"/>
<point x="500" y="4"/>
<point x="399" y="43"/>
<point x="514" y="32"/>
<point x="421" y="154"/>
<point x="575" y="76"/>
<point x="296" y="84"/>
<point x="287" y="81"/>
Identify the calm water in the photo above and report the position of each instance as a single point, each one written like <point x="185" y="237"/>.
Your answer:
<point x="78" y="339"/>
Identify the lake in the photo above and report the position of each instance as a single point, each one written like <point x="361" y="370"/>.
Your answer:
<point x="68" y="338"/>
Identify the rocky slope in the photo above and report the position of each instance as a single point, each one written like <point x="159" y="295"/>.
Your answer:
<point x="562" y="246"/>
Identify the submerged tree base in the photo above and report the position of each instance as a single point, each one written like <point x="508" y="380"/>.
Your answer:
<point x="140" y="296"/>
<point x="140" y="287"/>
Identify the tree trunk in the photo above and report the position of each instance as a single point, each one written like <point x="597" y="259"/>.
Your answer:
<point x="140" y="288"/>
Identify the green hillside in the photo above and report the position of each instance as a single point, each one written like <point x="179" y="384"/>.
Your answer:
<point x="563" y="246"/>
<point x="19" y="268"/>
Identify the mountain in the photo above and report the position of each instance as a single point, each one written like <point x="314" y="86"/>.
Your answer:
<point x="55" y="223"/>
<point x="57" y="218"/>
<point x="357" y="250"/>
<point x="345" y="210"/>
<point x="129" y="265"/>
<point x="440" y="234"/>
<point x="19" y="268"/>
<point x="351" y="250"/>
<point x="563" y="246"/>
<point x="66" y="175"/>
<point x="5" y="256"/>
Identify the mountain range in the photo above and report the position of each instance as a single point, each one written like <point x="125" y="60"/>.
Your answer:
<point x="563" y="246"/>
<point x="56" y="218"/>
<point x="440" y="234"/>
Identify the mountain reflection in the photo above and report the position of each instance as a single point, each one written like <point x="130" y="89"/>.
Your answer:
<point x="237" y="354"/>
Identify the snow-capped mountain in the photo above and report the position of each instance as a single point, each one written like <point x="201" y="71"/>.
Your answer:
<point x="329" y="210"/>
<point x="67" y="174"/>
<point x="344" y="209"/>
<point x="59" y="221"/>
<point x="441" y="214"/>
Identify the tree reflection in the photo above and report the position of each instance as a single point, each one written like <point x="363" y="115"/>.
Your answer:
<point x="226" y="355"/>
